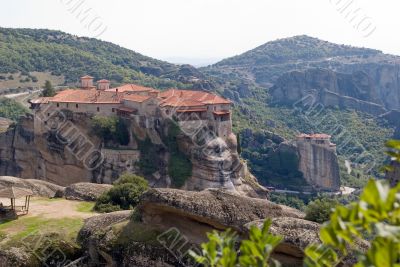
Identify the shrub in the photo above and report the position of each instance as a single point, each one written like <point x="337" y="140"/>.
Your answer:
<point x="110" y="129"/>
<point x="256" y="251"/>
<point x="319" y="210"/>
<point x="124" y="195"/>
<point x="179" y="165"/>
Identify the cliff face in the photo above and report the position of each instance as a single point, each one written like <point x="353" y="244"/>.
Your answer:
<point x="30" y="153"/>
<point x="319" y="164"/>
<point x="354" y="91"/>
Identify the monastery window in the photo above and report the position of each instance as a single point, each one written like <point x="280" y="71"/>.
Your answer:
<point x="98" y="109"/>
<point x="113" y="110"/>
<point x="215" y="108"/>
<point x="67" y="105"/>
<point x="77" y="106"/>
<point x="48" y="114"/>
<point x="58" y="105"/>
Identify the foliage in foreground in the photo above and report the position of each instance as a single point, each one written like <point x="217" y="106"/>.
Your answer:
<point x="374" y="219"/>
<point x="256" y="251"/>
<point x="368" y="229"/>
<point x="124" y="195"/>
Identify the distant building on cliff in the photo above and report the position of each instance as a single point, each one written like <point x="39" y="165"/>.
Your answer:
<point x="318" y="161"/>
<point x="189" y="108"/>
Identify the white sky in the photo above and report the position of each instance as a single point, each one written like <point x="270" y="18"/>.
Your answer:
<point x="201" y="29"/>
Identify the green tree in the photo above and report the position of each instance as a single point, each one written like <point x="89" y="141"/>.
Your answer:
<point x="124" y="195"/>
<point x="220" y="250"/>
<point x="320" y="210"/>
<point x="48" y="90"/>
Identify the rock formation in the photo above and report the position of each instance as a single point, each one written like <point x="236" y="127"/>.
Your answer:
<point x="318" y="161"/>
<point x="47" y="155"/>
<point x="86" y="191"/>
<point x="39" y="188"/>
<point x="169" y="222"/>
<point x="331" y="89"/>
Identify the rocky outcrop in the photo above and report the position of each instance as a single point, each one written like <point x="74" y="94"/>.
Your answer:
<point x="39" y="188"/>
<point x="86" y="191"/>
<point x="319" y="165"/>
<point x="169" y="222"/>
<point x="67" y="153"/>
<point x="331" y="89"/>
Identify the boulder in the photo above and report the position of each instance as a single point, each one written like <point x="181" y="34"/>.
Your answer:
<point x="168" y="223"/>
<point x="86" y="191"/>
<point x="218" y="208"/>
<point x="38" y="187"/>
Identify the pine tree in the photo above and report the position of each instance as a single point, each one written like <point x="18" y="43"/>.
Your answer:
<point x="48" y="90"/>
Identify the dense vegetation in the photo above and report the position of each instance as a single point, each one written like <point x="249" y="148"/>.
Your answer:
<point x="112" y="130"/>
<point x="26" y="50"/>
<point x="11" y="109"/>
<point x="124" y="195"/>
<point x="179" y="165"/>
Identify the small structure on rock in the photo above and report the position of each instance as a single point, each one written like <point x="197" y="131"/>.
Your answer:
<point x="318" y="161"/>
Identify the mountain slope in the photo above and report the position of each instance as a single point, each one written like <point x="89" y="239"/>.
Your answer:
<point x="27" y="50"/>
<point x="264" y="64"/>
<point x="268" y="81"/>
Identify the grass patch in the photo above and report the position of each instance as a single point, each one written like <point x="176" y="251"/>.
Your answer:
<point x="27" y="226"/>
<point x="85" y="207"/>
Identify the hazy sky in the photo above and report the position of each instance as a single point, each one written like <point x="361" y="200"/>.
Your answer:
<point x="204" y="29"/>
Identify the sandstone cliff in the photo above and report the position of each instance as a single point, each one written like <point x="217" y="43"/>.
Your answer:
<point x="320" y="166"/>
<point x="47" y="155"/>
<point x="170" y="222"/>
<point x="329" y="88"/>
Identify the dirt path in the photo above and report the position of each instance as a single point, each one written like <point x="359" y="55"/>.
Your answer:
<point x="53" y="208"/>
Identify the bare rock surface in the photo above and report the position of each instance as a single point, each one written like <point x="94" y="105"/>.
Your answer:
<point x="167" y="217"/>
<point x="86" y="191"/>
<point x="39" y="188"/>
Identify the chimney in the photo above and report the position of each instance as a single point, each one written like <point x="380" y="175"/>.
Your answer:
<point x="103" y="85"/>
<point x="87" y="82"/>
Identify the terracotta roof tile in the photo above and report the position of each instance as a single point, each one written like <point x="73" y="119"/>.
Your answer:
<point x="175" y="97"/>
<point x="136" y="98"/>
<point x="132" y="88"/>
<point x="87" y="77"/>
<point x="87" y="96"/>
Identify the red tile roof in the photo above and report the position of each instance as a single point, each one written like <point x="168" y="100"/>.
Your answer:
<point x="132" y="88"/>
<point x="175" y="97"/>
<point x="87" y="96"/>
<point x="87" y="77"/>
<point x="136" y="98"/>
<point x="103" y="81"/>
